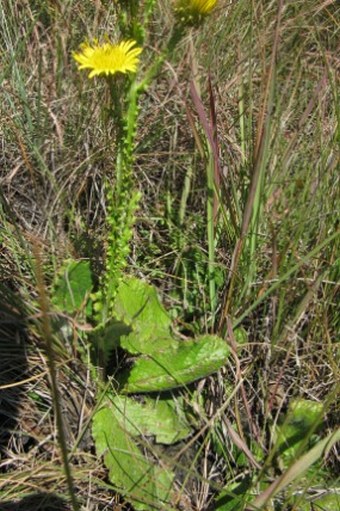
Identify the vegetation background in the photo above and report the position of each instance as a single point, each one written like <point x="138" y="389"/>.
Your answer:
<point x="267" y="73"/>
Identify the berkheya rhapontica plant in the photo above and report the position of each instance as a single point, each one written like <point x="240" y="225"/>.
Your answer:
<point x="125" y="311"/>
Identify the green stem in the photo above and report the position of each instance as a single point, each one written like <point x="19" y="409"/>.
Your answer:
<point x="122" y="200"/>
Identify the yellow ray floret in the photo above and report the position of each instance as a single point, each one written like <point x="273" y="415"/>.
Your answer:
<point x="108" y="58"/>
<point x="195" y="7"/>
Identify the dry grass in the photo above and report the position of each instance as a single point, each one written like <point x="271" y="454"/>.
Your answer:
<point x="56" y="149"/>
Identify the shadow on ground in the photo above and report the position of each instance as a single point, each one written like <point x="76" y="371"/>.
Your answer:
<point x="36" y="502"/>
<point x="15" y="437"/>
<point x="13" y="370"/>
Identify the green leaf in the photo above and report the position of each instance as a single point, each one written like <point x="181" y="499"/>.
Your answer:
<point x="163" y="418"/>
<point x="241" y="336"/>
<point x="146" y="485"/>
<point x="72" y="287"/>
<point x="303" y="413"/>
<point x="177" y="367"/>
<point x="327" y="502"/>
<point x="299" y="424"/>
<point x="296" y="470"/>
<point x="137" y="343"/>
<point x="107" y="337"/>
<point x="140" y="324"/>
<point x="137" y="304"/>
<point x="235" y="496"/>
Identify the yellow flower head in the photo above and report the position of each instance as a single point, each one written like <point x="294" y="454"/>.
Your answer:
<point x="108" y="58"/>
<point x="192" y="11"/>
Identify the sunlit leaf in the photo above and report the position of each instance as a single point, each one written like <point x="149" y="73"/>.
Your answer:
<point x="137" y="305"/>
<point x="137" y="344"/>
<point x="163" y="418"/>
<point x="137" y="302"/>
<point x="142" y="482"/>
<point x="174" y="368"/>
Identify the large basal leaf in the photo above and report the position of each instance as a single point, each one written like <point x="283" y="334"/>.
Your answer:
<point x="146" y="485"/>
<point x="137" y="304"/>
<point x="140" y="323"/>
<point x="137" y="344"/>
<point x="174" y="368"/>
<point x="72" y="287"/>
<point x="163" y="418"/>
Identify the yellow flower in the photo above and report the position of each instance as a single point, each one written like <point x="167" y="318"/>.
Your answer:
<point x="192" y="11"/>
<point x="108" y="58"/>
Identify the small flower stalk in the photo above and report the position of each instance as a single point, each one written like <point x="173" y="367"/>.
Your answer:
<point x="109" y="60"/>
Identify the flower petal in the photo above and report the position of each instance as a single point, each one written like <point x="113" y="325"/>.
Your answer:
<point x="108" y="58"/>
